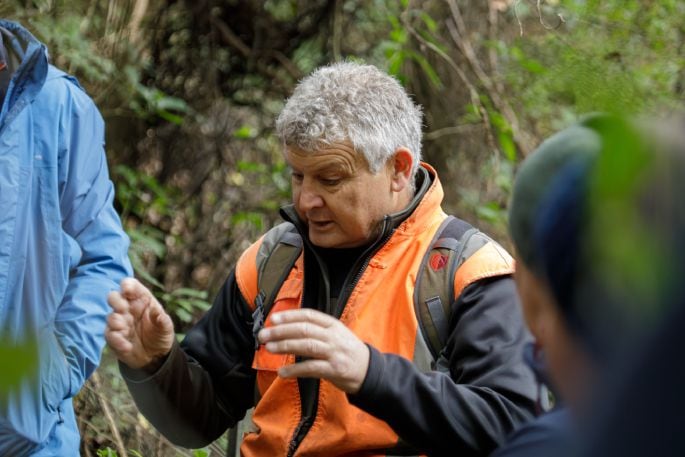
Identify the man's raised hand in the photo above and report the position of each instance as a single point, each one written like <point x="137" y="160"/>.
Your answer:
<point x="139" y="331"/>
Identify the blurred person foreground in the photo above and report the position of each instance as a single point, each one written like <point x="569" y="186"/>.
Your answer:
<point x="597" y="223"/>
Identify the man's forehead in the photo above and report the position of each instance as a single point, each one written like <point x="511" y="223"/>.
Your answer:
<point x="334" y="156"/>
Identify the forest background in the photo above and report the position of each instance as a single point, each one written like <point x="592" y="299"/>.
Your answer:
<point x="190" y="89"/>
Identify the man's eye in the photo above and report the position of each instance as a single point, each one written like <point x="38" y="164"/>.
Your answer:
<point x="330" y="181"/>
<point x="296" y="176"/>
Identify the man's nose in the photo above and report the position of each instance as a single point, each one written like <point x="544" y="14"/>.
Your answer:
<point x="309" y="197"/>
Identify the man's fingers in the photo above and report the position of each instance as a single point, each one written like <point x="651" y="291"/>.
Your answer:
<point x="306" y="347"/>
<point x="139" y="297"/>
<point x="118" y="342"/>
<point x="118" y="303"/>
<point x="160" y="318"/>
<point x="119" y="322"/>
<point x="313" y="368"/>
<point x="131" y="288"/>
<point x="292" y="331"/>
<point x="303" y="315"/>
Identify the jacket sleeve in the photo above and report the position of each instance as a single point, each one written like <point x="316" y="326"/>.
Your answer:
<point x="552" y="434"/>
<point x="486" y="391"/>
<point x="206" y="384"/>
<point x="92" y="232"/>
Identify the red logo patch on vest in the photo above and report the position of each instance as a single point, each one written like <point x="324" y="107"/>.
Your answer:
<point x="438" y="261"/>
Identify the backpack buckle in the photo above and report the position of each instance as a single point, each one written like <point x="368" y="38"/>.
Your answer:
<point x="258" y="318"/>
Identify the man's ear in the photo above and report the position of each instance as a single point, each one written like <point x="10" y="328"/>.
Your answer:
<point x="401" y="164"/>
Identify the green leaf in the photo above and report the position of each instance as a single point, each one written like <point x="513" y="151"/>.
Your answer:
<point x="430" y="23"/>
<point x="245" y="132"/>
<point x="491" y="212"/>
<point x="505" y="135"/>
<point x="184" y="315"/>
<point x="250" y="217"/>
<point x="142" y="273"/>
<point x="395" y="63"/>
<point x="166" y="102"/>
<point x="255" y="167"/>
<point x="506" y="142"/>
<point x="427" y="68"/>
<point x="173" y="118"/>
<point x="399" y="36"/>
<point x="18" y="361"/>
<point x="188" y="292"/>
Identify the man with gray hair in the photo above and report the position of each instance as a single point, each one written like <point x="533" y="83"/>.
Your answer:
<point x="328" y="342"/>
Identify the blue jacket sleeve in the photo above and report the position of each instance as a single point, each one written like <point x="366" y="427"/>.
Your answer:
<point x="92" y="228"/>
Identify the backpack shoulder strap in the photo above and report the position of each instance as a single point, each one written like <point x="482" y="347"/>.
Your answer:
<point x="458" y="256"/>
<point x="263" y="268"/>
<point x="434" y="282"/>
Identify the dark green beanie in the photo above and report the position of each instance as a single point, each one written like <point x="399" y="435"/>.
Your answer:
<point x="535" y="177"/>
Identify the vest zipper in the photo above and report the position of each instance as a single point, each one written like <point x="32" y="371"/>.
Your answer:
<point x="308" y="417"/>
<point x="348" y="287"/>
<point x="299" y="434"/>
<point x="307" y="421"/>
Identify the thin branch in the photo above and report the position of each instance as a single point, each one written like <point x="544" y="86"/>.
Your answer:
<point x="473" y="93"/>
<point x="87" y="20"/>
<point x="231" y="38"/>
<point x="288" y="64"/>
<point x="493" y="26"/>
<point x="538" y="6"/>
<point x="111" y="7"/>
<point x="459" y="35"/>
<point x="82" y="425"/>
<point x="337" y="30"/>
<point x="95" y="379"/>
<point x="234" y="40"/>
<point x="518" y="18"/>
<point x="139" y="10"/>
<point x="542" y="21"/>
<point x="446" y="131"/>
<point x="95" y="388"/>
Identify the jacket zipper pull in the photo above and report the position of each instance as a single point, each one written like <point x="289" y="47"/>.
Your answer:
<point x="258" y="318"/>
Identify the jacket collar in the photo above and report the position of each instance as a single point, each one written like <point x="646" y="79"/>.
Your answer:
<point x="413" y="219"/>
<point x="29" y="77"/>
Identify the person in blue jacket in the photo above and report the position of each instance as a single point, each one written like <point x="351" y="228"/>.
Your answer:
<point x="62" y="247"/>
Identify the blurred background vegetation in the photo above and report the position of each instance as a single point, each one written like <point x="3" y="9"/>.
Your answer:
<point x="190" y="91"/>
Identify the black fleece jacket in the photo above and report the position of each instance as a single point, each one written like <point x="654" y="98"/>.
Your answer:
<point x="207" y="383"/>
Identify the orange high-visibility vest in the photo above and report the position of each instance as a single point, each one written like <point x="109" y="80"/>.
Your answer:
<point x="380" y="311"/>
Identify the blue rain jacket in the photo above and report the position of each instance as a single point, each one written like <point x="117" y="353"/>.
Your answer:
<point x="62" y="247"/>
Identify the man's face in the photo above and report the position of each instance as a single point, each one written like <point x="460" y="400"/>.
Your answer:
<point x="337" y="196"/>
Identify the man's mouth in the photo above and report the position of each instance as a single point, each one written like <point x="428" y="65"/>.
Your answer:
<point x="320" y="225"/>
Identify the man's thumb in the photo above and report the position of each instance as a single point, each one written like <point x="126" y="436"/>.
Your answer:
<point x="161" y="319"/>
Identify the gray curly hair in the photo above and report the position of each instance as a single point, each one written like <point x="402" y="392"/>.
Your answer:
<point x="355" y="102"/>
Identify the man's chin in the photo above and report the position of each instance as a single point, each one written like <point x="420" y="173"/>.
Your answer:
<point x="323" y="240"/>
<point x="332" y="241"/>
